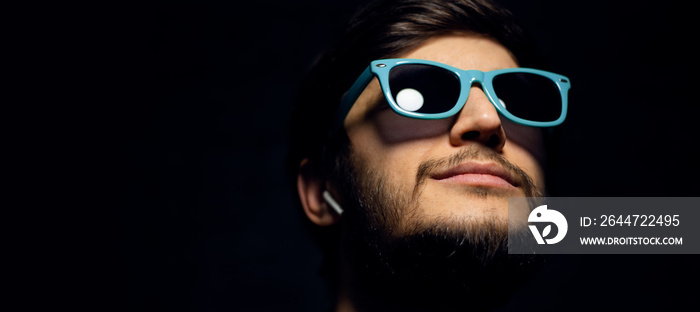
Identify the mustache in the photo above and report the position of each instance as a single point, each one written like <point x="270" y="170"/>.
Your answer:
<point x="428" y="167"/>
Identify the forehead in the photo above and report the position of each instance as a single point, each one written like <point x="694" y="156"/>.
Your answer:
<point x="465" y="51"/>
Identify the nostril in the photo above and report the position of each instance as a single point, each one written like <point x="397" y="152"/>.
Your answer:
<point x="493" y="141"/>
<point x="470" y="135"/>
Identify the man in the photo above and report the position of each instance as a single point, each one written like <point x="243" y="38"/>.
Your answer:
<point x="406" y="171"/>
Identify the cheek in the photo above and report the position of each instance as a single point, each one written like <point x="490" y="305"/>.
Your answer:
<point x="521" y="157"/>
<point x="528" y="138"/>
<point x="391" y="148"/>
<point x="394" y="129"/>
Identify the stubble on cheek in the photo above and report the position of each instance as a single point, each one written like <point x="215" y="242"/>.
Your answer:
<point x="398" y="208"/>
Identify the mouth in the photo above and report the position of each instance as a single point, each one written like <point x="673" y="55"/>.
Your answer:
<point x="478" y="174"/>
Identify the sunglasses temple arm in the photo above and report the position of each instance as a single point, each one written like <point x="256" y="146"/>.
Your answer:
<point x="350" y="97"/>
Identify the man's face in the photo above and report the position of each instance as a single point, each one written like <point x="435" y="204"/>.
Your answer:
<point x="454" y="171"/>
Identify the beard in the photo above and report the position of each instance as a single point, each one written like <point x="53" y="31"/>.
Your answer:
<point x="394" y="258"/>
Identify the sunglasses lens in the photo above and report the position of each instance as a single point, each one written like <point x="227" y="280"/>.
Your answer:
<point x="424" y="88"/>
<point x="529" y="96"/>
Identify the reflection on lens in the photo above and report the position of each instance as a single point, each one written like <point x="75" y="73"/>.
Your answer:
<point x="529" y="96"/>
<point x="409" y="99"/>
<point x="423" y="88"/>
<point x="502" y="103"/>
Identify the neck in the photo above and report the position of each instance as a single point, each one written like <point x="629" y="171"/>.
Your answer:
<point x="423" y="277"/>
<point x="359" y="294"/>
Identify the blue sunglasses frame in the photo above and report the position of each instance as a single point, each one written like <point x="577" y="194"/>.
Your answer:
<point x="381" y="69"/>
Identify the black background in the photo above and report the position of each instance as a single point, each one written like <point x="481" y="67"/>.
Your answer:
<point x="208" y="220"/>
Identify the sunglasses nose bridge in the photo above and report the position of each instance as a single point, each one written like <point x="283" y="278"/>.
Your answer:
<point x="468" y="77"/>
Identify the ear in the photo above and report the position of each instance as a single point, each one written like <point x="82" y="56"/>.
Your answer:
<point x="311" y="186"/>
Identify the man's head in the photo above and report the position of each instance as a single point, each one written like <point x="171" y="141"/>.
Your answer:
<point x="423" y="199"/>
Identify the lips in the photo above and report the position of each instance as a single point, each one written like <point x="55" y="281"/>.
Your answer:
<point x="479" y="174"/>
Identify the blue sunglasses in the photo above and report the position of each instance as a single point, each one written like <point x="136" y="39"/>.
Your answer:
<point x="425" y="89"/>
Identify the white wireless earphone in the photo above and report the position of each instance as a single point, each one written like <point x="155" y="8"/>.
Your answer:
<point x="329" y="199"/>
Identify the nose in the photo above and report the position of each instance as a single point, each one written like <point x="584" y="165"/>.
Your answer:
<point x="478" y="121"/>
